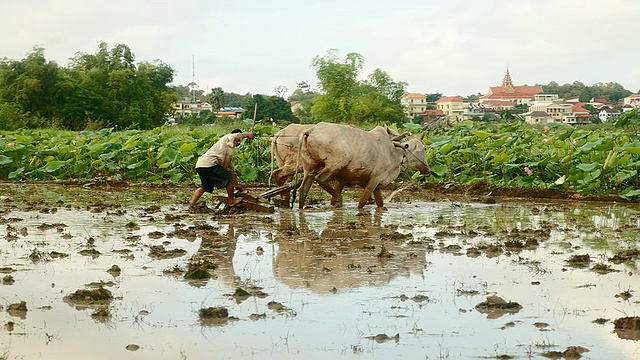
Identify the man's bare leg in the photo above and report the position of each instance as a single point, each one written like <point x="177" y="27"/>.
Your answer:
<point x="196" y="195"/>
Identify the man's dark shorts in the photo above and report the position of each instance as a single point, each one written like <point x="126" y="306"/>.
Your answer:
<point x="216" y="176"/>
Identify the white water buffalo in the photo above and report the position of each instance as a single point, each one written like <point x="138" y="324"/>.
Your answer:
<point x="284" y="149"/>
<point x="353" y="156"/>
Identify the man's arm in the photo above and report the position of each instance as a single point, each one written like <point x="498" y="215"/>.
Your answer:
<point x="229" y="165"/>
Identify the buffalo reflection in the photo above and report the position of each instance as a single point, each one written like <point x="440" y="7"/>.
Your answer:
<point x="349" y="250"/>
<point x="324" y="252"/>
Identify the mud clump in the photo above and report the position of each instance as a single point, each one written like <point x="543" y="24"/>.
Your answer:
<point x="256" y="317"/>
<point x="159" y="252"/>
<point x="380" y="338"/>
<point x="602" y="269"/>
<point x="213" y="313"/>
<point x="156" y="235"/>
<point x="214" y="316"/>
<point x="90" y="252"/>
<point x="279" y="308"/>
<point x="579" y="261"/>
<point x="625" y="295"/>
<point x="18" y="309"/>
<point x="395" y="236"/>
<point x="572" y="352"/>
<point x="98" y="296"/>
<point x="625" y="255"/>
<point x="114" y="270"/>
<point x="241" y="294"/>
<point x="627" y="327"/>
<point x="628" y="323"/>
<point x="496" y="306"/>
<point x="200" y="270"/>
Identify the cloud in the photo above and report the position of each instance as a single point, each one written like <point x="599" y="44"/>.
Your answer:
<point x="458" y="47"/>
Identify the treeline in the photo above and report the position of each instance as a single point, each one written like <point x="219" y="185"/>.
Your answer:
<point x="613" y="92"/>
<point x="108" y="89"/>
<point x="105" y="89"/>
<point x="342" y="95"/>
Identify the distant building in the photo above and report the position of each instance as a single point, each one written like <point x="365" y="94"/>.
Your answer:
<point x="233" y="111"/>
<point x="431" y="116"/>
<point x="498" y="105"/>
<point x="578" y="116"/>
<point x="537" y="117"/>
<point x="608" y="115"/>
<point x="414" y="104"/>
<point x="631" y="102"/>
<point x="451" y="106"/>
<point x="509" y="92"/>
<point x="186" y="106"/>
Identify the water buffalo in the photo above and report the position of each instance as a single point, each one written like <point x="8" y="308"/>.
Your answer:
<point x="354" y="156"/>
<point x="284" y="149"/>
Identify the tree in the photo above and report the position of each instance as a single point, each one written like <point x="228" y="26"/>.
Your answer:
<point x="521" y="108"/>
<point x="270" y="108"/>
<point x="338" y="81"/>
<point x="130" y="96"/>
<point x="281" y="90"/>
<point x="613" y="92"/>
<point x="346" y="99"/>
<point x="433" y="97"/>
<point x="471" y="98"/>
<point x="182" y="91"/>
<point x="216" y="98"/>
<point x="32" y="83"/>
<point x="236" y="100"/>
<point x="305" y="97"/>
<point x="194" y="91"/>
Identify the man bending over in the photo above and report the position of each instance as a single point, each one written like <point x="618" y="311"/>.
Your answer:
<point x="215" y="169"/>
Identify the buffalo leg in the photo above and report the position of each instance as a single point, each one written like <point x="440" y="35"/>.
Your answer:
<point x="377" y="194"/>
<point x="337" y="200"/>
<point x="366" y="193"/>
<point x="328" y="188"/>
<point x="307" y="181"/>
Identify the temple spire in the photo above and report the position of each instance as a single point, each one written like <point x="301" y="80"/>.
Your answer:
<point x="507" y="84"/>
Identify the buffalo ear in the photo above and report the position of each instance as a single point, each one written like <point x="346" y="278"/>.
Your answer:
<point x="401" y="136"/>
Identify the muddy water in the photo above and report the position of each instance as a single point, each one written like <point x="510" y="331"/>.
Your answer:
<point x="322" y="283"/>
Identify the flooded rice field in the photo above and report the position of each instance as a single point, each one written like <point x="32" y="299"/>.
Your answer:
<point x="124" y="277"/>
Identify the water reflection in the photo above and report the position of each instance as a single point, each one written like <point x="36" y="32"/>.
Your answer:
<point x="348" y="251"/>
<point x="343" y="276"/>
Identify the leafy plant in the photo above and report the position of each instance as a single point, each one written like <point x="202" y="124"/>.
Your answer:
<point x="598" y="160"/>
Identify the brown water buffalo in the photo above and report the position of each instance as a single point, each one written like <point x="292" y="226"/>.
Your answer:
<point x="353" y="156"/>
<point x="284" y="149"/>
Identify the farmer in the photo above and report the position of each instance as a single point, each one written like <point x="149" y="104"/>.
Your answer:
<point x="215" y="169"/>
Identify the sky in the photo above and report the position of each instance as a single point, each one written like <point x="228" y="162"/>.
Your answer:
<point x="453" y="47"/>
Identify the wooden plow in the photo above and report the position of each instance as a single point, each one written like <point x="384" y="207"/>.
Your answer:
<point x="254" y="202"/>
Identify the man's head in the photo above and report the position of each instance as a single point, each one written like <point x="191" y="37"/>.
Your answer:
<point x="236" y="131"/>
